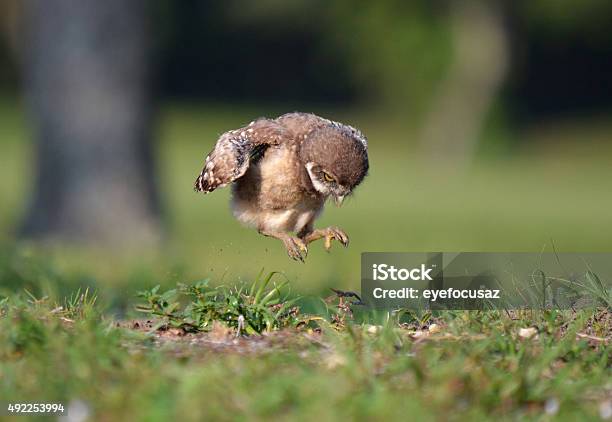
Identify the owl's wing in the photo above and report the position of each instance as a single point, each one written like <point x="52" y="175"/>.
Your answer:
<point x="235" y="150"/>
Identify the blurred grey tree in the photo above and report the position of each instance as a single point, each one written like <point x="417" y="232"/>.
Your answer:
<point x="464" y="98"/>
<point x="86" y="79"/>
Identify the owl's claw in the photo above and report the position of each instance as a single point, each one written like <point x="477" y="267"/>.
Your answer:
<point x="328" y="234"/>
<point x="296" y="248"/>
<point x="335" y="233"/>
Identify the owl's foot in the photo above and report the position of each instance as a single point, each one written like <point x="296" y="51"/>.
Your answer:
<point x="328" y="234"/>
<point x="296" y="248"/>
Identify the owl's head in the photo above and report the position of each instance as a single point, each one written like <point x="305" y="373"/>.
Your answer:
<point x="336" y="159"/>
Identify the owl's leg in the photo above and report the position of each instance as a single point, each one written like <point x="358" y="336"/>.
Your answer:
<point x="296" y="248"/>
<point x="328" y="234"/>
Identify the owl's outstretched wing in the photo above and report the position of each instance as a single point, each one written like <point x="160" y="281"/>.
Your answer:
<point x="235" y="150"/>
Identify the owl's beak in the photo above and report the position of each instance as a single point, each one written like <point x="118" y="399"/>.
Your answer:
<point x="338" y="199"/>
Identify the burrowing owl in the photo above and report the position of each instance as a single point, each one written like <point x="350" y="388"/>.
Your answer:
<point x="283" y="170"/>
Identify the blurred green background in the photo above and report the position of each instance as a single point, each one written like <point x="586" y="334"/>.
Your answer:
<point x="489" y="129"/>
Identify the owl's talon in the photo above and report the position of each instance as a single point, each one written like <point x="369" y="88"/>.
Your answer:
<point x="328" y="235"/>
<point x="335" y="233"/>
<point x="296" y="248"/>
<point x="340" y="236"/>
<point x="327" y="244"/>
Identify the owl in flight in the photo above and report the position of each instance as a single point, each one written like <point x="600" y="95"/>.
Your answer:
<point x="283" y="170"/>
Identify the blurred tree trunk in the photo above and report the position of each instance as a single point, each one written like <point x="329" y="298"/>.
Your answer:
<point x="481" y="54"/>
<point x="86" y="80"/>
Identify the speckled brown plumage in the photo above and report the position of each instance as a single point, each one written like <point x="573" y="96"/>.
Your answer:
<point x="282" y="170"/>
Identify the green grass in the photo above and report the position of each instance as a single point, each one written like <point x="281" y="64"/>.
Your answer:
<point x="468" y="366"/>
<point x="252" y="309"/>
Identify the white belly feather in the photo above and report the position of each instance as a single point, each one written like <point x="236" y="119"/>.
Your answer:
<point x="290" y="220"/>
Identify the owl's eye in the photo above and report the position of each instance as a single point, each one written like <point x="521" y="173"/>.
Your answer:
<point x="327" y="177"/>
